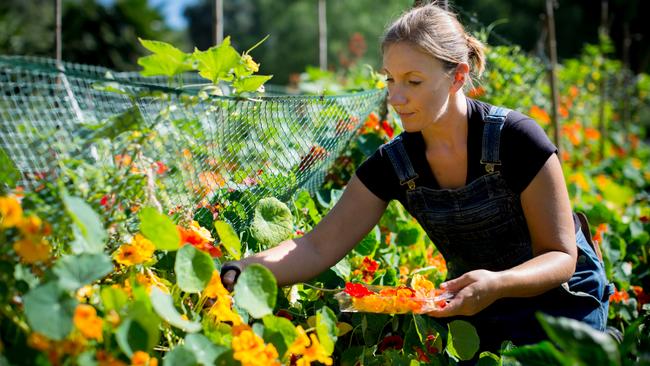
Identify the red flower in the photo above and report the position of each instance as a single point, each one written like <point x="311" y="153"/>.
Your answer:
<point x="387" y="128"/>
<point x="285" y="314"/>
<point x="368" y="269"/>
<point x="390" y="342"/>
<point x="421" y="355"/>
<point x="619" y="296"/>
<point x="160" y="167"/>
<point x="316" y="153"/>
<point x="356" y="290"/>
<point x="104" y="200"/>
<point x="641" y="297"/>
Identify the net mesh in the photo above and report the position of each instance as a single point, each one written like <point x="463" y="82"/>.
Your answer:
<point x="186" y="149"/>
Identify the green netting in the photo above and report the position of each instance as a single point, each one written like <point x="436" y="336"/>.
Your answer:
<point x="185" y="148"/>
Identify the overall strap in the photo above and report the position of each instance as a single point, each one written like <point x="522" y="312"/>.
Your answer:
<point x="401" y="162"/>
<point x="492" y="137"/>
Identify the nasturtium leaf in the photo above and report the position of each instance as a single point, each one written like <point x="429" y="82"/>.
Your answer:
<point x="163" y="304"/>
<point x="408" y="233"/>
<point x="166" y="60"/>
<point x="193" y="269"/>
<point x="140" y="330"/>
<point x="181" y="356"/>
<point x="250" y="83"/>
<point x="342" y="269"/>
<point x="49" y="311"/>
<point x="369" y="244"/>
<point x="581" y="341"/>
<point x="9" y="174"/>
<point x="203" y="349"/>
<point x="256" y="291"/>
<point x="159" y="228"/>
<point x="272" y="222"/>
<point x="326" y="329"/>
<point x="343" y="328"/>
<point x="540" y="354"/>
<point x="217" y="62"/>
<point x="280" y="332"/>
<point x="75" y="271"/>
<point x="91" y="234"/>
<point x="113" y="298"/>
<point x="229" y="238"/>
<point x="462" y="340"/>
<point x="303" y="201"/>
<point x="488" y="359"/>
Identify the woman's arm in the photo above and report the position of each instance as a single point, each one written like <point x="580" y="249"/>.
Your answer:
<point x="301" y="259"/>
<point x="548" y="214"/>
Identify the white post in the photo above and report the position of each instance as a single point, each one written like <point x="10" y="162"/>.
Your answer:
<point x="217" y="21"/>
<point x="322" y="34"/>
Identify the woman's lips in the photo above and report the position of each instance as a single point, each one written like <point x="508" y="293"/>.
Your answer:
<point x="404" y="114"/>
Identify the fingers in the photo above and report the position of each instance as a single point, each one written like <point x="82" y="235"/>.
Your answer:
<point x="457" y="284"/>
<point x="229" y="280"/>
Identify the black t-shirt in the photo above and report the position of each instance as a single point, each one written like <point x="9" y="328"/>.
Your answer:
<point x="524" y="149"/>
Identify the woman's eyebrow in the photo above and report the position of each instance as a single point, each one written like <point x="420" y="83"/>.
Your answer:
<point x="385" y="71"/>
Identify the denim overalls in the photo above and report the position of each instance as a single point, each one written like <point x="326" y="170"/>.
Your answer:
<point x="482" y="226"/>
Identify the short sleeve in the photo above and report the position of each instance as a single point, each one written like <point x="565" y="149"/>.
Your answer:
<point x="377" y="174"/>
<point x="525" y="148"/>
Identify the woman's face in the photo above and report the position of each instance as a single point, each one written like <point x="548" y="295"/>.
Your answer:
<point x="418" y="86"/>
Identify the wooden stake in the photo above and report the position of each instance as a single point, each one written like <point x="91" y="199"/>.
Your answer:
<point x="552" y="50"/>
<point x="322" y="34"/>
<point x="57" y="31"/>
<point x="217" y="22"/>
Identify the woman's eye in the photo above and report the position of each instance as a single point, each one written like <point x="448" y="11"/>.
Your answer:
<point x="415" y="82"/>
<point x="389" y="80"/>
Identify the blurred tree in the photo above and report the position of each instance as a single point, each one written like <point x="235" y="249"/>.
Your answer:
<point x="92" y="33"/>
<point x="293" y="29"/>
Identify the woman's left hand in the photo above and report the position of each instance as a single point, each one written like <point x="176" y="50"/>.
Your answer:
<point x="474" y="291"/>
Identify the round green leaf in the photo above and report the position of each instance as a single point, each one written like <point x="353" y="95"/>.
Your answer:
<point x="159" y="228"/>
<point x="229" y="238"/>
<point x="49" y="311"/>
<point x="180" y="356"/>
<point x="113" y="298"/>
<point x="139" y="331"/>
<point x="462" y="340"/>
<point x="256" y="291"/>
<point x="203" y="349"/>
<point x="163" y="304"/>
<point x="90" y="234"/>
<point x="280" y="332"/>
<point x="75" y="271"/>
<point x="193" y="269"/>
<point x="326" y="329"/>
<point x="272" y="222"/>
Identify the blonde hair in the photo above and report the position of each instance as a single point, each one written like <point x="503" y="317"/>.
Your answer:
<point x="438" y="33"/>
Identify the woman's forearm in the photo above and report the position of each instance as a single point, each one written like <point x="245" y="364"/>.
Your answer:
<point x="292" y="261"/>
<point x="537" y="275"/>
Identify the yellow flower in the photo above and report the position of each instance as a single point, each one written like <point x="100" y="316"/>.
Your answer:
<point x="10" y="212"/>
<point x="380" y="84"/>
<point x="150" y="280"/>
<point x="222" y="311"/>
<point x="141" y="358"/>
<point x="31" y="225"/>
<point x="310" y="352"/>
<point x="215" y="288"/>
<point x="32" y="251"/>
<point x="87" y="322"/>
<point x="139" y="250"/>
<point x="250" y="64"/>
<point x="250" y="350"/>
<point x="580" y="181"/>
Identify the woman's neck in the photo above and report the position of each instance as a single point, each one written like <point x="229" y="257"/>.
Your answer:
<point x="450" y="131"/>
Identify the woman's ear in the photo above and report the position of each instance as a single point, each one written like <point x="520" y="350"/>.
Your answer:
<point x="459" y="76"/>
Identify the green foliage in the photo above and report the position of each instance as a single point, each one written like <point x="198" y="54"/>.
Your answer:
<point x="9" y="174"/>
<point x="90" y="236"/>
<point x="272" y="222"/>
<point x="326" y="328"/>
<point x="193" y="269"/>
<point x="256" y="291"/>
<point x="163" y="304"/>
<point x="229" y="238"/>
<point x="75" y="271"/>
<point x="159" y="229"/>
<point x="49" y="310"/>
<point x="462" y="340"/>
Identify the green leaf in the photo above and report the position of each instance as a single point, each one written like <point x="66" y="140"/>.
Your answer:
<point x="408" y="233"/>
<point x="280" y="332"/>
<point x="369" y="244"/>
<point x="342" y="268"/>
<point x="129" y="120"/>
<point x="193" y="269"/>
<point x="139" y="331"/>
<point x="9" y="174"/>
<point x="304" y="202"/>
<point x="166" y="60"/>
<point x="49" y="311"/>
<point x="250" y="83"/>
<point x="256" y="291"/>
<point x="180" y="356"/>
<point x="488" y="359"/>
<point x="113" y="298"/>
<point x="92" y="235"/>
<point x="581" y="341"/>
<point x="217" y="62"/>
<point x="462" y="340"/>
<point x="159" y="228"/>
<point x="326" y="329"/>
<point x="272" y="222"/>
<point x="229" y="238"/>
<point x="75" y="271"/>
<point x="163" y="304"/>
<point x="205" y="352"/>
<point x="541" y="354"/>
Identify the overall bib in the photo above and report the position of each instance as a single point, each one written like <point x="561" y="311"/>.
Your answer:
<point x="482" y="226"/>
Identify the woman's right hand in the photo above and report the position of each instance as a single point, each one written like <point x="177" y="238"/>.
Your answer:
<point x="228" y="280"/>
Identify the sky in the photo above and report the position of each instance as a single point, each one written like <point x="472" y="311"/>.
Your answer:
<point x="171" y="9"/>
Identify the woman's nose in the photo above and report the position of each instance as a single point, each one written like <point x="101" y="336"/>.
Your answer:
<point x="395" y="97"/>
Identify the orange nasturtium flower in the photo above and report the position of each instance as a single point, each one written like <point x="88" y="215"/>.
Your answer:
<point x="39" y="342"/>
<point x="539" y="115"/>
<point x="309" y="348"/>
<point x="141" y="358"/>
<point x="250" y="350"/>
<point x="215" y="289"/>
<point x="11" y="212"/>
<point x="139" y="250"/>
<point x="200" y="238"/>
<point x="619" y="296"/>
<point x="87" y="322"/>
<point x="32" y="250"/>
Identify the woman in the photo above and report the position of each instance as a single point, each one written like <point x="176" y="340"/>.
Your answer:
<point x="485" y="183"/>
